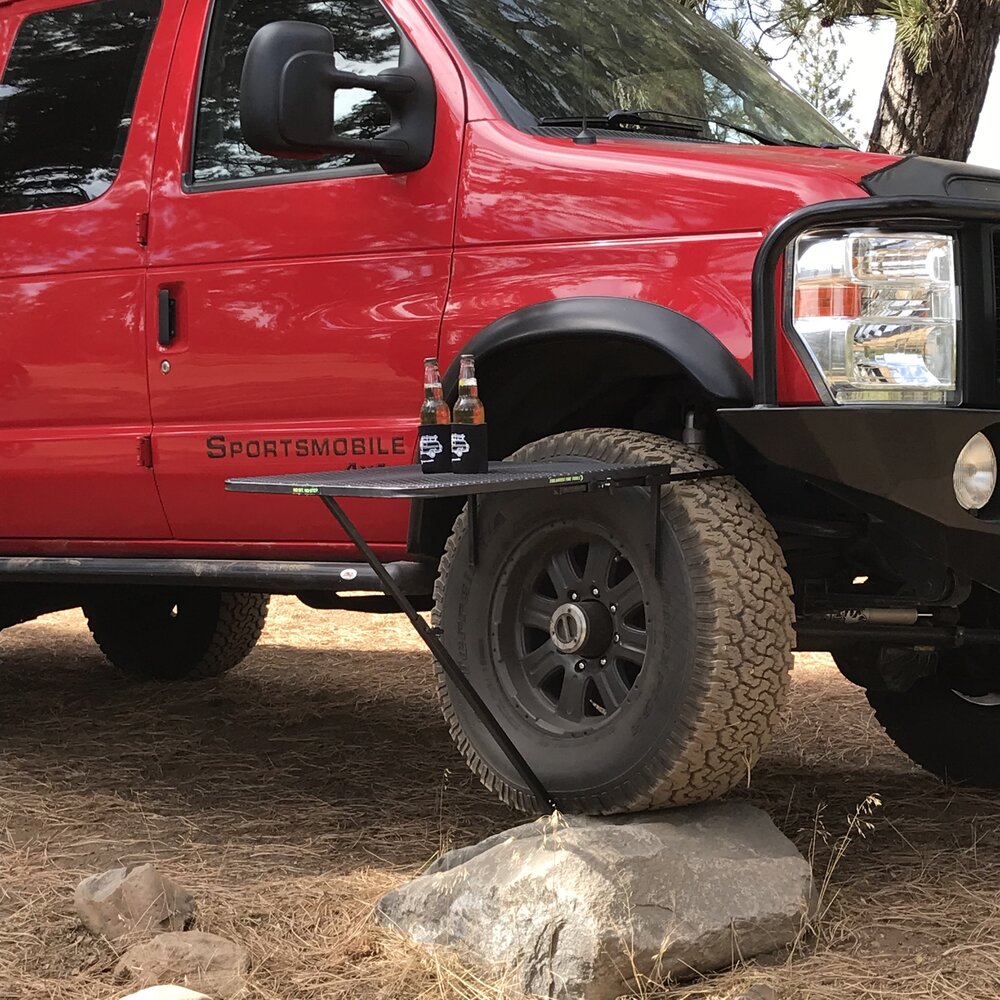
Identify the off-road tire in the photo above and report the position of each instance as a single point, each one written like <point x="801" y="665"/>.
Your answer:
<point x="161" y="634"/>
<point x="698" y="725"/>
<point x="941" y="708"/>
<point x="942" y="732"/>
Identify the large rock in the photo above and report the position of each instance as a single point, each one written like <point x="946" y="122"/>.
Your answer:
<point x="194" y="959"/>
<point x="130" y="901"/>
<point x="579" y="909"/>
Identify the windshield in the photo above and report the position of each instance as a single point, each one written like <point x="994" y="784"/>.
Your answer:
<point x="640" y="54"/>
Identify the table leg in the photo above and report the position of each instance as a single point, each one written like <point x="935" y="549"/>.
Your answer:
<point x="455" y="673"/>
<point x="473" y="530"/>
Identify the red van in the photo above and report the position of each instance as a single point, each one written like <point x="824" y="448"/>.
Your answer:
<point x="230" y="231"/>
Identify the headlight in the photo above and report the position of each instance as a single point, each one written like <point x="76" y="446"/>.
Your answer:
<point x="877" y="311"/>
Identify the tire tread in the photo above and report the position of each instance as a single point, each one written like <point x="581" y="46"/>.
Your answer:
<point x="240" y="621"/>
<point x="744" y="631"/>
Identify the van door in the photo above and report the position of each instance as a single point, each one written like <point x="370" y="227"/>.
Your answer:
<point x="306" y="292"/>
<point x="80" y="93"/>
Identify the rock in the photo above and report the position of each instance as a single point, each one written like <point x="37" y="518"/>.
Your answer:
<point x="166" y="993"/>
<point x="578" y="908"/>
<point x="130" y="901"/>
<point x="194" y="959"/>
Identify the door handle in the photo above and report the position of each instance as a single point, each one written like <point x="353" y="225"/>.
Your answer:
<point x="167" y="318"/>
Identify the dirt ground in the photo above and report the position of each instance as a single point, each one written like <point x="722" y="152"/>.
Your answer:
<point x="290" y="794"/>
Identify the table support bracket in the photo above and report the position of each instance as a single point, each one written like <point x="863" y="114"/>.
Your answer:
<point x="440" y="652"/>
<point x="474" y="530"/>
<point x="655" y="488"/>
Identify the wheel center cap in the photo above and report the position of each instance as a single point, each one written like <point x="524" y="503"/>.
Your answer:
<point x="583" y="628"/>
<point x="569" y="628"/>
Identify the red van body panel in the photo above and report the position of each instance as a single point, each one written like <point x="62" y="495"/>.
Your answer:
<point x="305" y="307"/>
<point x="677" y="224"/>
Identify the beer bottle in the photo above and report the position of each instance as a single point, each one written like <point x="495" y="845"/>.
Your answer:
<point x="468" y="439"/>
<point x="434" y="439"/>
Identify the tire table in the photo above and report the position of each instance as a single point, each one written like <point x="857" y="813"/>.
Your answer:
<point x="410" y="482"/>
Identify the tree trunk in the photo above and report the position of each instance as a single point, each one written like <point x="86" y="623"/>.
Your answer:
<point x="935" y="113"/>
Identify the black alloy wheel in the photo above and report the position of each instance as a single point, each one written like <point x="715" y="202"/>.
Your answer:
<point x="571" y="636"/>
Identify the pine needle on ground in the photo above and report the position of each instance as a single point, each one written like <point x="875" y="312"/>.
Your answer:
<point x="289" y="795"/>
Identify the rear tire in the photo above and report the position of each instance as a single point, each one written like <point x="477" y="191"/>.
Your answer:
<point x="943" y="709"/>
<point x="695" y="671"/>
<point x="943" y="731"/>
<point x="154" y="633"/>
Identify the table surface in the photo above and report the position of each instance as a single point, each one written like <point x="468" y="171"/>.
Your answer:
<point x="409" y="481"/>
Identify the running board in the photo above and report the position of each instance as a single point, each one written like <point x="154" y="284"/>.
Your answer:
<point x="265" y="576"/>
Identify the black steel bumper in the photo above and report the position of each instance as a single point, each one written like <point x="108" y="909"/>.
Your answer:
<point x="895" y="464"/>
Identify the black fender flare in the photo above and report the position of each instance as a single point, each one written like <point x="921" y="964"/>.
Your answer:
<point x="687" y="343"/>
<point x="689" y="346"/>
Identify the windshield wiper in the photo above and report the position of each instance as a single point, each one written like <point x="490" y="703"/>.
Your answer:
<point x="642" y="116"/>
<point x="680" y="125"/>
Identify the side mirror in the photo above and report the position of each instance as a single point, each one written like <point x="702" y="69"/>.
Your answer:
<point x="290" y="77"/>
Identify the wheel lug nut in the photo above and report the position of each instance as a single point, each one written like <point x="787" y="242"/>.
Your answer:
<point x="596" y="592"/>
<point x="616" y="637"/>
<point x="613" y="608"/>
<point x="573" y="595"/>
<point x="580" y="666"/>
<point x="604" y="661"/>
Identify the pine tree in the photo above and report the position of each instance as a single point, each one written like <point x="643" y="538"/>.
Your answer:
<point x="821" y="73"/>
<point x="936" y="83"/>
<point x="940" y="68"/>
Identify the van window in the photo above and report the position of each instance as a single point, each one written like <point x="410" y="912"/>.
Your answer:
<point x="366" y="42"/>
<point x="66" y="101"/>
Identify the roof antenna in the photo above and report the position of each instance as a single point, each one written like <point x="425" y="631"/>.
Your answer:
<point x="585" y="137"/>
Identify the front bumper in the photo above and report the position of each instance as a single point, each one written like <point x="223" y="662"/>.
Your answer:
<point x="894" y="463"/>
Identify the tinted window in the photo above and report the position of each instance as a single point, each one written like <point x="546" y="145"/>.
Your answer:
<point x="366" y="42"/>
<point x="643" y="54"/>
<point x="66" y="101"/>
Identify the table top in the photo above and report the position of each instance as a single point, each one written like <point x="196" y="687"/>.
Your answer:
<point x="409" y="481"/>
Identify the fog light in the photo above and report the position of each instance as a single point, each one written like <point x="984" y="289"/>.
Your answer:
<point x="976" y="473"/>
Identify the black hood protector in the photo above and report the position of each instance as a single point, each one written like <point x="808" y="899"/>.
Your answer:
<point x="925" y="177"/>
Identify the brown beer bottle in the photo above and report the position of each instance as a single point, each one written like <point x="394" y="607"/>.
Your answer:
<point x="468" y="438"/>
<point x="434" y="439"/>
<point x="435" y="409"/>
<point x="469" y="407"/>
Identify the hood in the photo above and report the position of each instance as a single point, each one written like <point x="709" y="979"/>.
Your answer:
<point x="539" y="185"/>
<point x="848" y="165"/>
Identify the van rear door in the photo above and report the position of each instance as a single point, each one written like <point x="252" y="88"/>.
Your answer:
<point x="80" y="95"/>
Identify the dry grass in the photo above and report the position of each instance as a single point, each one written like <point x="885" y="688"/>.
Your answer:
<point x="291" y="794"/>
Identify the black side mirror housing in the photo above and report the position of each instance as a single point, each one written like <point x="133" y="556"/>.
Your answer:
<point x="289" y="80"/>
